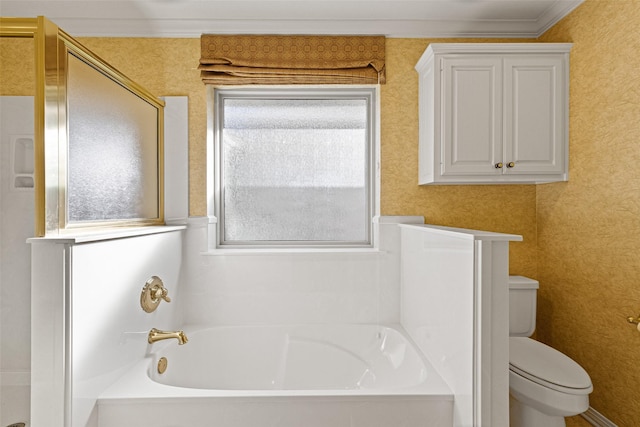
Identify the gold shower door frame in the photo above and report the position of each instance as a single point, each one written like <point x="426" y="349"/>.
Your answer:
<point x="52" y="47"/>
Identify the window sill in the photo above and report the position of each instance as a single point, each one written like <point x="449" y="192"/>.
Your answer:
<point x="292" y="251"/>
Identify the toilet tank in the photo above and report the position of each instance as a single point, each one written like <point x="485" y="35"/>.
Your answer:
<point x="522" y="306"/>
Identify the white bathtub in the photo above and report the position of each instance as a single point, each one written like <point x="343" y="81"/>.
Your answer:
<point x="294" y="375"/>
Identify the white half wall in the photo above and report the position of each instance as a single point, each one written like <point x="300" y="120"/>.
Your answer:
<point x="455" y="306"/>
<point x="88" y="325"/>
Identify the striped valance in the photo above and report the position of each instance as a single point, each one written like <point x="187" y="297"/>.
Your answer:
<point x="274" y="59"/>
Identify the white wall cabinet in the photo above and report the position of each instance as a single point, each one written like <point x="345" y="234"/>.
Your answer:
<point x="493" y="113"/>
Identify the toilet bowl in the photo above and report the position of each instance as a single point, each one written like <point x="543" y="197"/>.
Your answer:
<point x="545" y="385"/>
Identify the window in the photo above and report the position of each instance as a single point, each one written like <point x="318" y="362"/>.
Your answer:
<point x="295" y="166"/>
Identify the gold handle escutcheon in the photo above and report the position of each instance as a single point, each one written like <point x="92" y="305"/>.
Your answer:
<point x="498" y="165"/>
<point x="511" y="164"/>
<point x="152" y="293"/>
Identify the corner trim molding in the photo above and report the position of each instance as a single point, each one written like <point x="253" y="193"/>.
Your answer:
<point x="595" y="418"/>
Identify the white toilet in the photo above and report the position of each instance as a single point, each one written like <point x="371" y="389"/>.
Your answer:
<point x="544" y="385"/>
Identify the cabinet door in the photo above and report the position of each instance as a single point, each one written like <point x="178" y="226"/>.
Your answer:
<point x="534" y="114"/>
<point x="471" y="140"/>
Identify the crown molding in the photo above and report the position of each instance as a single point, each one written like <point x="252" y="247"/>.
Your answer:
<point x="406" y="19"/>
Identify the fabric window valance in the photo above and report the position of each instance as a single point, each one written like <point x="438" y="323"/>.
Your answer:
<point x="274" y="59"/>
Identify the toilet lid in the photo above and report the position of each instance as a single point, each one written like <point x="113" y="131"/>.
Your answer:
<point x="546" y="366"/>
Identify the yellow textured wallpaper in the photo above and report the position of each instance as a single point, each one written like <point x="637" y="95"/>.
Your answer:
<point x="17" y="66"/>
<point x="168" y="67"/>
<point x="502" y="208"/>
<point x="589" y="228"/>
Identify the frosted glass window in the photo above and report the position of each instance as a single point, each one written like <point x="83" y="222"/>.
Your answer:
<point x="112" y="171"/>
<point x="295" y="170"/>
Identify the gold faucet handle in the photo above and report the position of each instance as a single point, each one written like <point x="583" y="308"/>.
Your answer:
<point x="152" y="293"/>
<point x="158" y="292"/>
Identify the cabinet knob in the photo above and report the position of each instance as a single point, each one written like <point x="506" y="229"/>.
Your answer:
<point x="498" y="165"/>
<point x="511" y="164"/>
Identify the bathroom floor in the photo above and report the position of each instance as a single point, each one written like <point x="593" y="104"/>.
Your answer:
<point x="577" y="421"/>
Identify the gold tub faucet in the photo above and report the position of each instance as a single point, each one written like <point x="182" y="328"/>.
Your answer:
<point x="158" y="335"/>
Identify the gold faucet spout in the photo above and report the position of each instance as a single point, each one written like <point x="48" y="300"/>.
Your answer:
<point x="158" y="335"/>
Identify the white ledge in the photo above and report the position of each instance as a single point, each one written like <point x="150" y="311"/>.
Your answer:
<point x="292" y="251"/>
<point x="464" y="232"/>
<point x="105" y="234"/>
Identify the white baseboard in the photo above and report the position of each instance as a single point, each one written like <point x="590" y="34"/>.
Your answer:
<point x="595" y="418"/>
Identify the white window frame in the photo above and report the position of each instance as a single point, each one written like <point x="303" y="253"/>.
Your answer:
<point x="215" y="193"/>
